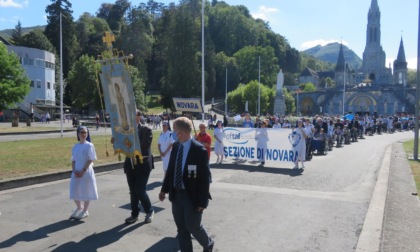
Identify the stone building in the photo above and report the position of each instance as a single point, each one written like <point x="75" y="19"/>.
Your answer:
<point x="374" y="88"/>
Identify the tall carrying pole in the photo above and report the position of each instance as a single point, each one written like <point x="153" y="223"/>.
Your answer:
<point x="417" y="105"/>
<point x="202" y="55"/>
<point x="61" y="78"/>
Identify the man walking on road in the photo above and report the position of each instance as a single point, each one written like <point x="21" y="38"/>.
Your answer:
<point x="187" y="181"/>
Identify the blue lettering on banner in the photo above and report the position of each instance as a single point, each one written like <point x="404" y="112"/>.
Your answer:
<point x="279" y="155"/>
<point x="239" y="152"/>
<point x="189" y="105"/>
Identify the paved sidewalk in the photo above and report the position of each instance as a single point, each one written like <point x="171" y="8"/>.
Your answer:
<point x="401" y="229"/>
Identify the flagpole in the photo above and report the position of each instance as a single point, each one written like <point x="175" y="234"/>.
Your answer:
<point x="61" y="78"/>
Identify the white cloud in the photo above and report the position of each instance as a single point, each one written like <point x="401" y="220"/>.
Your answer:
<point x="10" y="3"/>
<point x="263" y="12"/>
<point x="321" y="42"/>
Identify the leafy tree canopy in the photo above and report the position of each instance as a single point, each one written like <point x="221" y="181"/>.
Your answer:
<point x="14" y="84"/>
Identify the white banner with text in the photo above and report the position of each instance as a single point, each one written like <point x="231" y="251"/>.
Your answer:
<point x="261" y="144"/>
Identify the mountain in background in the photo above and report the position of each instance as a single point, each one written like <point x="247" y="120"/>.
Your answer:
<point x="329" y="53"/>
<point x="7" y="33"/>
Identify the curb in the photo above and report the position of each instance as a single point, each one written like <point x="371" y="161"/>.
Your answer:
<point x="44" y="178"/>
<point x="35" y="132"/>
<point x="371" y="234"/>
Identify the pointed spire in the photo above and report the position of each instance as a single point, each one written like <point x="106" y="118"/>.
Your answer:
<point x="340" y="61"/>
<point x="401" y="53"/>
<point x="374" y="5"/>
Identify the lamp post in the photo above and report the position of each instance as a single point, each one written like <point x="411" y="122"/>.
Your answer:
<point x="417" y="105"/>
<point x="226" y="91"/>
<point x="259" y="85"/>
<point x="61" y="78"/>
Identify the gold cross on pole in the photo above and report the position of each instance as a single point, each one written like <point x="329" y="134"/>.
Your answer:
<point x="108" y="38"/>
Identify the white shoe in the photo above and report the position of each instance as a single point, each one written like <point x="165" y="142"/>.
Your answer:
<point x="82" y="215"/>
<point x="303" y="166"/>
<point x="75" y="213"/>
<point x="296" y="166"/>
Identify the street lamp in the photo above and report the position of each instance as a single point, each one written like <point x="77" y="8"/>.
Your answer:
<point x="259" y="85"/>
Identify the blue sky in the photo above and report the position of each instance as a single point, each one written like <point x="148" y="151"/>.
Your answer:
<point x="304" y="23"/>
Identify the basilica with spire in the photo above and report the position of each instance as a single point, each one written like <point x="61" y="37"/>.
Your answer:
<point x="374" y="88"/>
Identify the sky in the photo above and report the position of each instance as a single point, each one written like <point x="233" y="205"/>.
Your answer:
<point x="304" y="23"/>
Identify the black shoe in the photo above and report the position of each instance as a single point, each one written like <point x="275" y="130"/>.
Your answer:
<point x="210" y="247"/>
<point x="131" y="220"/>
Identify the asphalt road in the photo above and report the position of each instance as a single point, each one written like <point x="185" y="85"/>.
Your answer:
<point x="270" y="208"/>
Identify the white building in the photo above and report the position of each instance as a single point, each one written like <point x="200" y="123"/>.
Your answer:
<point x="40" y="69"/>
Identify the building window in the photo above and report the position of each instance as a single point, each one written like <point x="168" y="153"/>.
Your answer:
<point x="32" y="83"/>
<point x="38" y="84"/>
<point x="48" y="85"/>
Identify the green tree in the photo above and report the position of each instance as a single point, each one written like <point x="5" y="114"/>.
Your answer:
<point x="183" y="73"/>
<point x="137" y="38"/>
<point x="307" y="87"/>
<point x="289" y="101"/>
<point x="17" y="34"/>
<point x="14" y="84"/>
<point x="90" y="30"/>
<point x="52" y="31"/>
<point x="249" y="92"/>
<point x="82" y="78"/>
<point x="412" y="77"/>
<point x="138" y="88"/>
<point x="327" y="82"/>
<point x="253" y="62"/>
<point x="37" y="39"/>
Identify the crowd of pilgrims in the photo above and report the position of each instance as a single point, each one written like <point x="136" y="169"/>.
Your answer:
<point x="325" y="131"/>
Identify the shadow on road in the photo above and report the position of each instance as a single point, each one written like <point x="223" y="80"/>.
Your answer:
<point x="40" y="233"/>
<point x="251" y="168"/>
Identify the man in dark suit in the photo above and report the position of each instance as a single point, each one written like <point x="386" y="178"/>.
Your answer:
<point x="187" y="181"/>
<point x="138" y="174"/>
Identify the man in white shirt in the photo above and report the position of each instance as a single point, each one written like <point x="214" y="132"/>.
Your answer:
<point x="165" y="145"/>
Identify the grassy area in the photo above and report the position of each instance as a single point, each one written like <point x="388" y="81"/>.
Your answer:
<point x="31" y="157"/>
<point x="415" y="165"/>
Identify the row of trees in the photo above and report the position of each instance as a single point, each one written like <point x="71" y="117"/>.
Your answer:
<point x="166" y="44"/>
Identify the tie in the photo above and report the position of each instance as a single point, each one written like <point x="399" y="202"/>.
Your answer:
<point x="178" y="169"/>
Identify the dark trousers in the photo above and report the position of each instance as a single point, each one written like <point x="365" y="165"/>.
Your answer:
<point x="137" y="181"/>
<point x="188" y="222"/>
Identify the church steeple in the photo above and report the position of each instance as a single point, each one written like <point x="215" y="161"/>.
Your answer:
<point x="400" y="66"/>
<point x="401" y="53"/>
<point x="374" y="56"/>
<point x="340" y="61"/>
<point x="373" y="33"/>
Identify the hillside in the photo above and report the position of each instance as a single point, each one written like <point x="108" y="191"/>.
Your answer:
<point x="7" y="33"/>
<point x="329" y="53"/>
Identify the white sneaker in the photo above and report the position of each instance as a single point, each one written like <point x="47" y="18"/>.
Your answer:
<point x="82" y="215"/>
<point x="75" y="213"/>
<point x="296" y="166"/>
<point x="149" y="217"/>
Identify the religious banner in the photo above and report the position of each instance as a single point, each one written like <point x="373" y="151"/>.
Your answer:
<point x="119" y="101"/>
<point x="188" y="105"/>
<point x="274" y="146"/>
